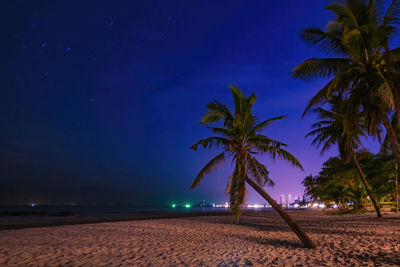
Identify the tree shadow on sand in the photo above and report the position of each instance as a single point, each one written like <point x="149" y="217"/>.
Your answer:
<point x="337" y="228"/>
<point x="378" y="258"/>
<point x="269" y="241"/>
<point x="317" y="229"/>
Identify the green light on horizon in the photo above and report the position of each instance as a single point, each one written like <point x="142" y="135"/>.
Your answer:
<point x="173" y="205"/>
<point x="187" y="206"/>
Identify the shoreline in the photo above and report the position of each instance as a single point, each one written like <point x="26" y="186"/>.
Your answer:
<point x="36" y="221"/>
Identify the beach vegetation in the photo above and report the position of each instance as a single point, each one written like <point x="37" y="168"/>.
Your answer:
<point x="339" y="183"/>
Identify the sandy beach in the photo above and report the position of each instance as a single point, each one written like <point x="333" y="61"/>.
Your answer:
<point x="261" y="238"/>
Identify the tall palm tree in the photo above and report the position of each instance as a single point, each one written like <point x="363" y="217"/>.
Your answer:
<point x="364" y="68"/>
<point x="241" y="140"/>
<point x="343" y="128"/>
<point x="385" y="146"/>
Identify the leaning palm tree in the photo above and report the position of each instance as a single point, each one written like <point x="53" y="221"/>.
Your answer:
<point x="241" y="140"/>
<point x="364" y="67"/>
<point x="343" y="127"/>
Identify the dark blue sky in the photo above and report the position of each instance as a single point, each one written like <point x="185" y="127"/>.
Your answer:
<point x="100" y="100"/>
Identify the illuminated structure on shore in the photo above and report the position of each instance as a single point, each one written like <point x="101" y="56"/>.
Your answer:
<point x="289" y="199"/>
<point x="282" y="200"/>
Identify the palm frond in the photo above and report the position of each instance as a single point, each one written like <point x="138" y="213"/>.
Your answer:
<point x="339" y="84"/>
<point x="254" y="171"/>
<point x="353" y="40"/>
<point x="380" y="87"/>
<point x="211" y="141"/>
<point x="248" y="118"/>
<point x="263" y="143"/>
<point x="319" y="98"/>
<point x="209" y="167"/>
<point x="223" y="131"/>
<point x="325" y="41"/>
<point x="259" y="127"/>
<point x="312" y="35"/>
<point x="285" y="155"/>
<point x="392" y="15"/>
<point x="344" y="13"/>
<point x="259" y="172"/>
<point x="239" y="99"/>
<point x="216" y="112"/>
<point x="319" y="68"/>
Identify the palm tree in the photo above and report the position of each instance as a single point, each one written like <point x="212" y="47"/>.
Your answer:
<point x="365" y="69"/>
<point x="344" y="128"/>
<point x="241" y="140"/>
<point x="385" y="146"/>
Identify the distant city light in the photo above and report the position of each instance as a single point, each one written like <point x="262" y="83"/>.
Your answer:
<point x="187" y="206"/>
<point x="33" y="204"/>
<point x="173" y="205"/>
<point x="256" y="206"/>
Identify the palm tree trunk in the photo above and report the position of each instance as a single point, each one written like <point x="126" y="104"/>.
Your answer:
<point x="394" y="144"/>
<point x="366" y="185"/>
<point x="307" y="242"/>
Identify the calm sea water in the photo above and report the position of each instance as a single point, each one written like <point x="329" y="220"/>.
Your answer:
<point x="110" y="209"/>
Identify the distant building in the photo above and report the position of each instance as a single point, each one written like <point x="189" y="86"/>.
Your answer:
<point x="282" y="199"/>
<point x="203" y="204"/>
<point x="289" y="199"/>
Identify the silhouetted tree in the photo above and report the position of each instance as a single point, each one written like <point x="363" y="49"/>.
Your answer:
<point x="241" y="139"/>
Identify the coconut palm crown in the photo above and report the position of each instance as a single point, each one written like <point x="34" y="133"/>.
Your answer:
<point x="338" y="127"/>
<point x="344" y="127"/>
<point x="241" y="140"/>
<point x="364" y="64"/>
<point x="364" y="68"/>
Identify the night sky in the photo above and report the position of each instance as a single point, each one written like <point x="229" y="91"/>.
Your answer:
<point x="100" y="100"/>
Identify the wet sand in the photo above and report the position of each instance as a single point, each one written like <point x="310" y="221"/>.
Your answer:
<point x="261" y="238"/>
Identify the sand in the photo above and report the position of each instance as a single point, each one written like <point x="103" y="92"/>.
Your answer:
<point x="28" y="221"/>
<point x="261" y="238"/>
